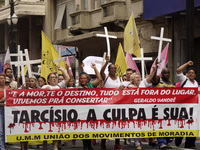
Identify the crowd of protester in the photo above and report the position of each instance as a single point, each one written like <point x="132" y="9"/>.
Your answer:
<point x="131" y="79"/>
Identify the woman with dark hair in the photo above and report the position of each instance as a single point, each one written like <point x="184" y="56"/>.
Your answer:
<point x="84" y="79"/>
<point x="2" y="100"/>
<point x="20" y="85"/>
<point x="71" y="83"/>
<point x="41" y="81"/>
<point x="84" y="82"/>
<point x="111" y="81"/>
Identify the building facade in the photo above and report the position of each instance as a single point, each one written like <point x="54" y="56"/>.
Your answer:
<point x="76" y="23"/>
<point x="175" y="13"/>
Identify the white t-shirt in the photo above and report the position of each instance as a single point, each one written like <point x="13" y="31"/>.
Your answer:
<point x="126" y="83"/>
<point x="181" y="77"/>
<point x="109" y="83"/>
<point x="58" y="86"/>
<point x="142" y="84"/>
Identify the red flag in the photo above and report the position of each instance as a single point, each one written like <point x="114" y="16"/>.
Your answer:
<point x="163" y="60"/>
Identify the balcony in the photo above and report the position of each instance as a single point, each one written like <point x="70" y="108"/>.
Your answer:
<point x="23" y="8"/>
<point x="80" y="20"/>
<point x="113" y="11"/>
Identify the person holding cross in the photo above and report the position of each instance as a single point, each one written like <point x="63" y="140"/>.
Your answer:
<point x="111" y="81"/>
<point x="163" y="82"/>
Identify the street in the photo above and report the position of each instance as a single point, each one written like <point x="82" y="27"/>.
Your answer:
<point x="109" y="144"/>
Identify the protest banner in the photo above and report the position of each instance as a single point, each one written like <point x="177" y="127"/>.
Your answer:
<point x="35" y="115"/>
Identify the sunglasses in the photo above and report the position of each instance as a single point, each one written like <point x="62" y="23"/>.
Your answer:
<point x="113" y="68"/>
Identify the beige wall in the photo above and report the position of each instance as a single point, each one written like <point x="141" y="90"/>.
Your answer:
<point x="92" y="21"/>
<point x="49" y="19"/>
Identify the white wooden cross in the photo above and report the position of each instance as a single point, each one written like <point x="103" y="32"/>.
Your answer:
<point x="107" y="39"/>
<point x="142" y="59"/>
<point x="160" y="39"/>
<point x="21" y="62"/>
<point x="18" y="58"/>
<point x="59" y="59"/>
<point x="103" y="60"/>
<point x="22" y="67"/>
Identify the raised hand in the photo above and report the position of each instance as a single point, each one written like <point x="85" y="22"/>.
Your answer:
<point x="154" y="67"/>
<point x="157" y="63"/>
<point x="59" y="68"/>
<point x="190" y="63"/>
<point x="82" y="65"/>
<point x="107" y="58"/>
<point x="66" y="65"/>
<point x="93" y="65"/>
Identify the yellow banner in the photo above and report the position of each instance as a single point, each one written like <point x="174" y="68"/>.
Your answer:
<point x="49" y="53"/>
<point x="131" y="39"/>
<point x="102" y="135"/>
<point x="120" y="62"/>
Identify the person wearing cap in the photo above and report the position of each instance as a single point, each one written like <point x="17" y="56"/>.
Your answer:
<point x="7" y="83"/>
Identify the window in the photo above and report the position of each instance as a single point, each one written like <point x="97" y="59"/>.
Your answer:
<point x="93" y="4"/>
<point x="75" y="19"/>
<point x="108" y="11"/>
<point x="60" y="13"/>
<point x="64" y="21"/>
<point x="101" y="2"/>
<point x="63" y="15"/>
<point x="2" y="3"/>
<point x="85" y="4"/>
<point x="70" y="8"/>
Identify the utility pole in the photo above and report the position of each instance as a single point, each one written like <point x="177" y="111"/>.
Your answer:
<point x="12" y="24"/>
<point x="190" y="29"/>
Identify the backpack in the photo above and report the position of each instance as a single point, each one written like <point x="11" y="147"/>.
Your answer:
<point x="184" y="83"/>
